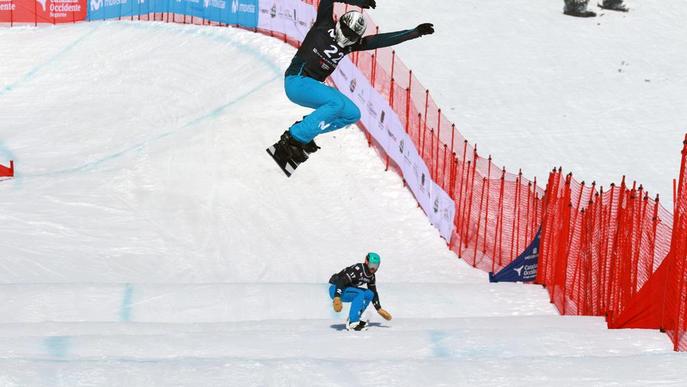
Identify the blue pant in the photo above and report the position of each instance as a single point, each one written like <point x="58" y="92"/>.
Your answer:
<point x="333" y="110"/>
<point x="359" y="299"/>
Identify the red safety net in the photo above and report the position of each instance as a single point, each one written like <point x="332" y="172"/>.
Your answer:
<point x="42" y="11"/>
<point x="615" y="253"/>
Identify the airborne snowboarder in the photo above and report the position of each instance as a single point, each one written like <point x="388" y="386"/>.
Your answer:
<point x="324" y="46"/>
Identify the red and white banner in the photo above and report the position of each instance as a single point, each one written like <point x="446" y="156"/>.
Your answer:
<point x="42" y="11"/>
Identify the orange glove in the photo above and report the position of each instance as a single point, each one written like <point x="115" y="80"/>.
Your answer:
<point x="385" y="314"/>
<point x="337" y="304"/>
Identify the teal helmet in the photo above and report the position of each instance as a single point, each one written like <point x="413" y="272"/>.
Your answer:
<point x="373" y="260"/>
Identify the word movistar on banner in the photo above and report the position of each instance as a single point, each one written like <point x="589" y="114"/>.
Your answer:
<point x="523" y="268"/>
<point x="241" y="12"/>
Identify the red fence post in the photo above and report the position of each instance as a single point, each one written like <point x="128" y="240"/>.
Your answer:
<point x="469" y="200"/>
<point x="486" y="213"/>
<point x="424" y="126"/>
<point x="499" y="222"/>
<point x="461" y="190"/>
<point x="393" y="63"/>
<point x="436" y="165"/>
<point x="479" y="221"/>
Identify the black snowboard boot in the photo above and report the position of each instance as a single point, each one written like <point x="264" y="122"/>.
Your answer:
<point x="310" y="147"/>
<point x="577" y="8"/>
<point x="614" y="5"/>
<point x="288" y="148"/>
<point x="360" y="325"/>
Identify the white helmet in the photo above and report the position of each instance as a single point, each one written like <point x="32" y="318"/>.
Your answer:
<point x="350" y="28"/>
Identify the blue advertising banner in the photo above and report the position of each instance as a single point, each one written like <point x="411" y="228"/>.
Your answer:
<point x="241" y="12"/>
<point x="523" y="268"/>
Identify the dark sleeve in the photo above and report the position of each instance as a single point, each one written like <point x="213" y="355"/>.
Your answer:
<point x="375" y="300"/>
<point x="385" y="40"/>
<point x="325" y="11"/>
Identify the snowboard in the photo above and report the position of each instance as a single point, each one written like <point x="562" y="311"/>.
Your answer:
<point x="288" y="166"/>
<point x="580" y="14"/>
<point x="620" y="8"/>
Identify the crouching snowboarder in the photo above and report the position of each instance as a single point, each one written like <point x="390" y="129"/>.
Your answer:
<point x="347" y="286"/>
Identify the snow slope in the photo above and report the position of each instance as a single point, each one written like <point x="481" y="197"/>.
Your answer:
<point x="149" y="240"/>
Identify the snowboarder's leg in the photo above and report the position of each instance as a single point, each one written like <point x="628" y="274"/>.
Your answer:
<point x="333" y="110"/>
<point x="361" y="300"/>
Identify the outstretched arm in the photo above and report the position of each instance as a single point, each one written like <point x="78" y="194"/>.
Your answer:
<point x="325" y="11"/>
<point x="393" y="38"/>
<point x="375" y="301"/>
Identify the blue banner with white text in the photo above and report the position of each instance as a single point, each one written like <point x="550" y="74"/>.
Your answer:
<point x="235" y="12"/>
<point x="523" y="268"/>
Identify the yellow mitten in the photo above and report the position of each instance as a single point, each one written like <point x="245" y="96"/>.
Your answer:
<point x="337" y="304"/>
<point x="385" y="314"/>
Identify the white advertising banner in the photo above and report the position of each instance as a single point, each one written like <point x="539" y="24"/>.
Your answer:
<point x="291" y="17"/>
<point x="294" y="18"/>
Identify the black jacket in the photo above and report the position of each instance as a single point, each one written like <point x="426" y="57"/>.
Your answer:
<point x="320" y="53"/>
<point x="356" y="276"/>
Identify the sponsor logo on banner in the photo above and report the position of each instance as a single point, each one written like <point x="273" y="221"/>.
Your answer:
<point x="436" y="205"/>
<point x="341" y="72"/>
<point x="267" y="10"/>
<point x="447" y="215"/>
<point x="7" y="5"/>
<point x="371" y="110"/>
<point x="237" y="6"/>
<point x="287" y="14"/>
<point x="59" y="8"/>
<point x="97" y="4"/>
<point x="352" y="85"/>
<point x="523" y="268"/>
<point x="221" y="4"/>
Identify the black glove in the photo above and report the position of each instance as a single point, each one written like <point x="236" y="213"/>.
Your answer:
<point x="369" y="4"/>
<point x="425" y="29"/>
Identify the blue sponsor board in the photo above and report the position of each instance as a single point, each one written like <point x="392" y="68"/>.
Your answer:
<point x="241" y="12"/>
<point x="523" y="268"/>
